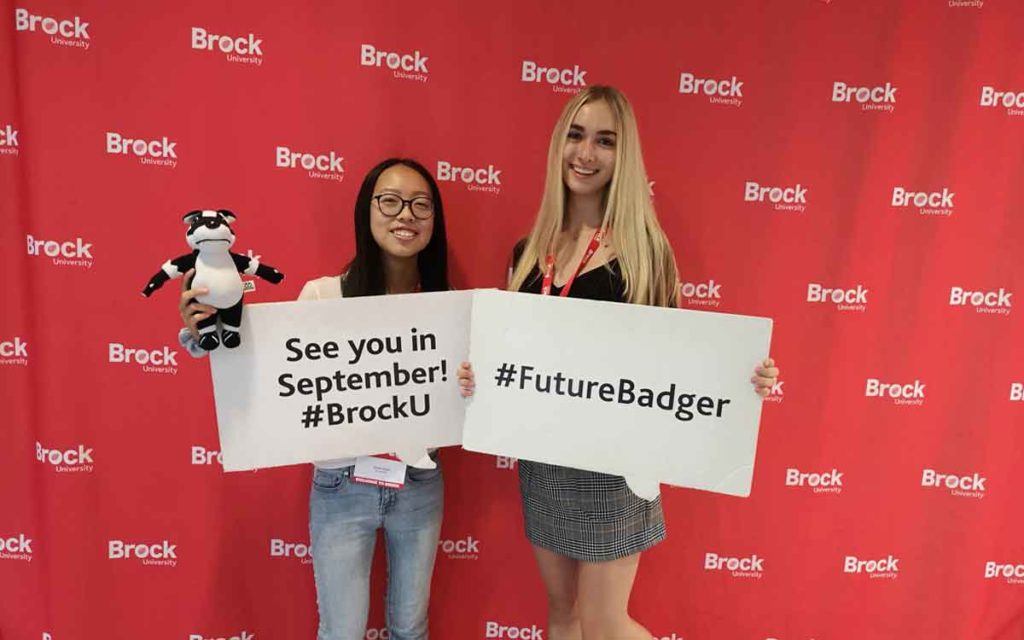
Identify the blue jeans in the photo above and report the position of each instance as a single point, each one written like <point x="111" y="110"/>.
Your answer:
<point x="343" y="520"/>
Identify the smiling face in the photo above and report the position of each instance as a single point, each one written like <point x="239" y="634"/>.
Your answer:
<point x="403" y="235"/>
<point x="588" y="159"/>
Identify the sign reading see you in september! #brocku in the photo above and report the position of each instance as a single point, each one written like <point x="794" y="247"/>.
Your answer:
<point x="344" y="377"/>
<point x="651" y="394"/>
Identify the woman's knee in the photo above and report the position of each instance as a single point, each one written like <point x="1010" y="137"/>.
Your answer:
<point x="562" y="608"/>
<point x="595" y="622"/>
<point x="602" y="618"/>
<point x="610" y="623"/>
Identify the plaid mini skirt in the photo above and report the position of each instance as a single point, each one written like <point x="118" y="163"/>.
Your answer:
<point x="586" y="515"/>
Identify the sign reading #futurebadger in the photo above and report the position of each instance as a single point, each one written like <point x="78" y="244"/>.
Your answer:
<point x="345" y="377"/>
<point x="652" y="394"/>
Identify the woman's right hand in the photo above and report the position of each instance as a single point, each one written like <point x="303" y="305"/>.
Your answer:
<point x="467" y="382"/>
<point x="193" y="312"/>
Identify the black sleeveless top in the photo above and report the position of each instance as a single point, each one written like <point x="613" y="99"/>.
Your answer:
<point x="601" y="283"/>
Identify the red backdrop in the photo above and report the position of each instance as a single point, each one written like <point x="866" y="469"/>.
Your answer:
<point x="84" y="225"/>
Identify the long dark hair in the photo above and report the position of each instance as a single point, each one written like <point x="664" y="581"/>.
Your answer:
<point x="364" y="275"/>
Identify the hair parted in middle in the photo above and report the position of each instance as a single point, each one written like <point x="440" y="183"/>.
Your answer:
<point x="364" y="275"/>
<point x="645" y="257"/>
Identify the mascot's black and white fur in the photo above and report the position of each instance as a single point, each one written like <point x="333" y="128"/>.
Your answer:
<point x="217" y="269"/>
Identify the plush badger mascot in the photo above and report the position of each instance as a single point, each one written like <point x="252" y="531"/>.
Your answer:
<point x="209" y="234"/>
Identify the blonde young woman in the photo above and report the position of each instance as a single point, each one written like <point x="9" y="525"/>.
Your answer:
<point x="597" y="235"/>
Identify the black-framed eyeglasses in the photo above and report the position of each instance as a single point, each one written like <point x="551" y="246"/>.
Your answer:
<point x="391" y="205"/>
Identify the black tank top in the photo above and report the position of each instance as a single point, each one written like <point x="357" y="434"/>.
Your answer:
<point x="603" y="283"/>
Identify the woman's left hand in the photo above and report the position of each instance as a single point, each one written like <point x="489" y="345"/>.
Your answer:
<point x="765" y="377"/>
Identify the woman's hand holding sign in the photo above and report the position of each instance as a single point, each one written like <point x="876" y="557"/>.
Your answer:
<point x="765" y="377"/>
<point x="467" y="382"/>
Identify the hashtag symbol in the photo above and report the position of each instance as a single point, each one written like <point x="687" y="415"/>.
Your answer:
<point x="505" y="373"/>
<point x="312" y="416"/>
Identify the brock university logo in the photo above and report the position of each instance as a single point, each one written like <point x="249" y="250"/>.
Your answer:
<point x="14" y="352"/>
<point x="788" y="198"/>
<point x="911" y="393"/>
<point x="298" y="550"/>
<point x="162" y="553"/>
<point x="406" y="66"/>
<point x="1010" y="572"/>
<point x="17" y="547"/>
<point x="71" y="32"/>
<point x="8" y="140"/>
<point x="486" y="179"/>
<point x="966" y="486"/>
<point x="933" y="203"/>
<point x="818" y="482"/>
<point x="77" y="459"/>
<point x="728" y="91"/>
<point x="162" y="360"/>
<point x="566" y="80"/>
<point x="247" y="49"/>
<point x="1012" y="101"/>
<point x="851" y="299"/>
<point x="994" y="302"/>
<point x="701" y="294"/>
<point x="67" y="253"/>
<point x="738" y="567"/>
<point x="887" y="568"/>
<point x="322" y="166"/>
<point x="467" y="548"/>
<point x="494" y="629"/>
<point x="159" y="152"/>
<point x="879" y="98"/>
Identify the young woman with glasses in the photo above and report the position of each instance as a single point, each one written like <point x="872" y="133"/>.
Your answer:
<point x="401" y="247"/>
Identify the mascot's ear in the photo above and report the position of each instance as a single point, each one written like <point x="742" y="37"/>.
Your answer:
<point x="227" y="215"/>
<point x="191" y="216"/>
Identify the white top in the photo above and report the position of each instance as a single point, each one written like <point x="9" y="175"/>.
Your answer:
<point x="321" y="289"/>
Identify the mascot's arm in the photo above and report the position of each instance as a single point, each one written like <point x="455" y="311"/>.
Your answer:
<point x="252" y="266"/>
<point x="171" y="269"/>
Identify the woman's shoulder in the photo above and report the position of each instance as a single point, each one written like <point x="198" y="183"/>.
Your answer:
<point x="320" y="288"/>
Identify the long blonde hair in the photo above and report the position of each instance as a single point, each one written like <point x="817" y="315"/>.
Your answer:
<point x="645" y="257"/>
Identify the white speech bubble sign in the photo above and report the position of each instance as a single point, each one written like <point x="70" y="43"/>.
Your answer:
<point x="266" y="394"/>
<point x="599" y="422"/>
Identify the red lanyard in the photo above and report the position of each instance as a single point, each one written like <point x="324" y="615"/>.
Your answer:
<point x="549" y="272"/>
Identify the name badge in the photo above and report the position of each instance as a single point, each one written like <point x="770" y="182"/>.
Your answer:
<point x="382" y="471"/>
